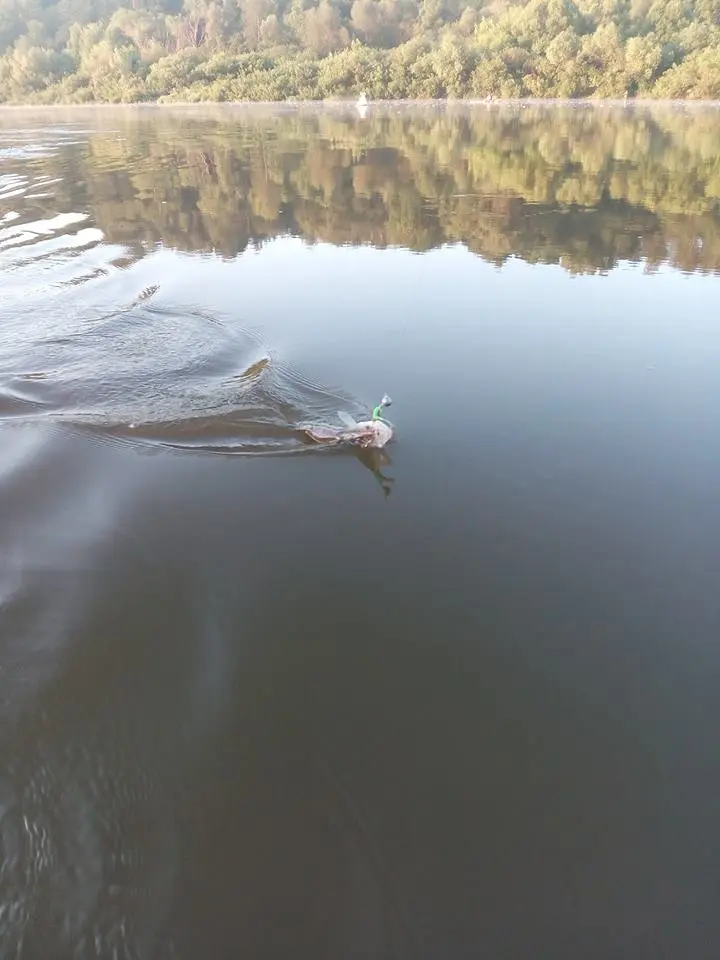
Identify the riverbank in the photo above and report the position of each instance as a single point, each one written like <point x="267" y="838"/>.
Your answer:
<point x="331" y="104"/>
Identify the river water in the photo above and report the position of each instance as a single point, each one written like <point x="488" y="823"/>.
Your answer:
<point x="457" y="698"/>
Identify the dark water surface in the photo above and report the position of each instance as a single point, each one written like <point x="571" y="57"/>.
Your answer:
<point x="458" y="699"/>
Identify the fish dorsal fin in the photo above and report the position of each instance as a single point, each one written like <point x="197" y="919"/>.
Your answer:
<point x="346" y="419"/>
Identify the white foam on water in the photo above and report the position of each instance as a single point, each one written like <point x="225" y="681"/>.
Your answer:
<point x="54" y="224"/>
<point x="11" y="236"/>
<point x="15" y="238"/>
<point x="10" y="184"/>
<point x="85" y="237"/>
<point x="12" y="193"/>
<point x="74" y="241"/>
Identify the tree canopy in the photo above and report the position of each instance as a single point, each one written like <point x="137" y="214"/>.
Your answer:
<point x="79" y="51"/>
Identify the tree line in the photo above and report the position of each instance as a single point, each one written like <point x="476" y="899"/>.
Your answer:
<point x="79" y="51"/>
<point x="580" y="187"/>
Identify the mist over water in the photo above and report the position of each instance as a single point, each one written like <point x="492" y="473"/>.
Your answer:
<point x="453" y="698"/>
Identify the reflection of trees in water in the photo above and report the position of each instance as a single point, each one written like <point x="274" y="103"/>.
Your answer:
<point x="577" y="186"/>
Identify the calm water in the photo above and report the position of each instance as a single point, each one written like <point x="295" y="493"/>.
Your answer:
<point x="455" y="700"/>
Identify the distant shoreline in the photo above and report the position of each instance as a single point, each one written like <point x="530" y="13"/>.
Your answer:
<point x="372" y="105"/>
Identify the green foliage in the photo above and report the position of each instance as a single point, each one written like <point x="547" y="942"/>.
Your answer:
<point x="203" y="49"/>
<point x="697" y="77"/>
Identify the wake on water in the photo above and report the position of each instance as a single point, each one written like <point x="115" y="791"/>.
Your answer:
<point x="140" y="370"/>
<point x="150" y="374"/>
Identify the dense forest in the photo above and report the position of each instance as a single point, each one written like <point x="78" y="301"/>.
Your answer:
<point x="576" y="186"/>
<point x="79" y="51"/>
